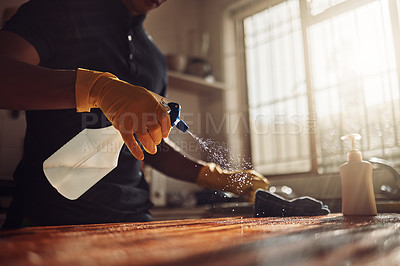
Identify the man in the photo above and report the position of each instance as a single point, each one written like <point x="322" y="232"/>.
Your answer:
<point x="48" y="52"/>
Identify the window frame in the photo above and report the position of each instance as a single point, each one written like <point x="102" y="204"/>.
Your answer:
<point x="234" y="65"/>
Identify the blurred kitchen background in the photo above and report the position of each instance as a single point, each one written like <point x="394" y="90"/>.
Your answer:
<point x="270" y="85"/>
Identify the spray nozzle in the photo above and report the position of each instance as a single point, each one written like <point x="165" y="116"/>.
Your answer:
<point x="174" y="114"/>
<point x="174" y="111"/>
<point x="354" y="154"/>
<point x="353" y="137"/>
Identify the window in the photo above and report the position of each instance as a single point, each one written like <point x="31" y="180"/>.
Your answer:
<point x="318" y="70"/>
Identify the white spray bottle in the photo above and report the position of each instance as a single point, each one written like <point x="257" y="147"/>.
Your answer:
<point x="91" y="154"/>
<point x="357" y="188"/>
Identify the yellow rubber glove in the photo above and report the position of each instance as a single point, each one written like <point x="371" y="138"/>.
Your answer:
<point x="244" y="182"/>
<point x="131" y="109"/>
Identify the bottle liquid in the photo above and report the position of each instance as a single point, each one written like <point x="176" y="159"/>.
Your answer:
<point x="92" y="154"/>
<point x="357" y="188"/>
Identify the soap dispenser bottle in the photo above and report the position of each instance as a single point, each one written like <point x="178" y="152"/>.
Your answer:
<point x="357" y="188"/>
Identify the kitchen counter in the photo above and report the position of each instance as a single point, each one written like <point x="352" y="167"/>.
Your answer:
<point x="219" y="210"/>
<point x="321" y="240"/>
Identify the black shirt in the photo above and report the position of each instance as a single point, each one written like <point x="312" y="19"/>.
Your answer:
<point x="97" y="35"/>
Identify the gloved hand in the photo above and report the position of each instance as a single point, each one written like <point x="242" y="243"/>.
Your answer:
<point x="244" y="182"/>
<point x="131" y="109"/>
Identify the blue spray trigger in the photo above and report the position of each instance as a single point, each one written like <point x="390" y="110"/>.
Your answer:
<point x="175" y="111"/>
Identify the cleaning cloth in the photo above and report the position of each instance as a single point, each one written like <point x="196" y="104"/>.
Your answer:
<point x="267" y="204"/>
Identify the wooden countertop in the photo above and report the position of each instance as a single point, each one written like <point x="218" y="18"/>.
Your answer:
<point x="321" y="240"/>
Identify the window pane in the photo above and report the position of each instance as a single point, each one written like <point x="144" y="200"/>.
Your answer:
<point x="277" y="90"/>
<point x="355" y="83"/>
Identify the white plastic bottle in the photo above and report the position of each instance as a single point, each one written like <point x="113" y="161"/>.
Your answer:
<point x="89" y="156"/>
<point x="357" y="188"/>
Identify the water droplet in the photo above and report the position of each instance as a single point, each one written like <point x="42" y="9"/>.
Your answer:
<point x="220" y="154"/>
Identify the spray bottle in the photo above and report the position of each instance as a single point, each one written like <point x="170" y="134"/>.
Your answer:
<point x="357" y="187"/>
<point x="91" y="154"/>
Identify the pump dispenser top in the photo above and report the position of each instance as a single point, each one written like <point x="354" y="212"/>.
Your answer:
<point x="357" y="187"/>
<point x="354" y="154"/>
